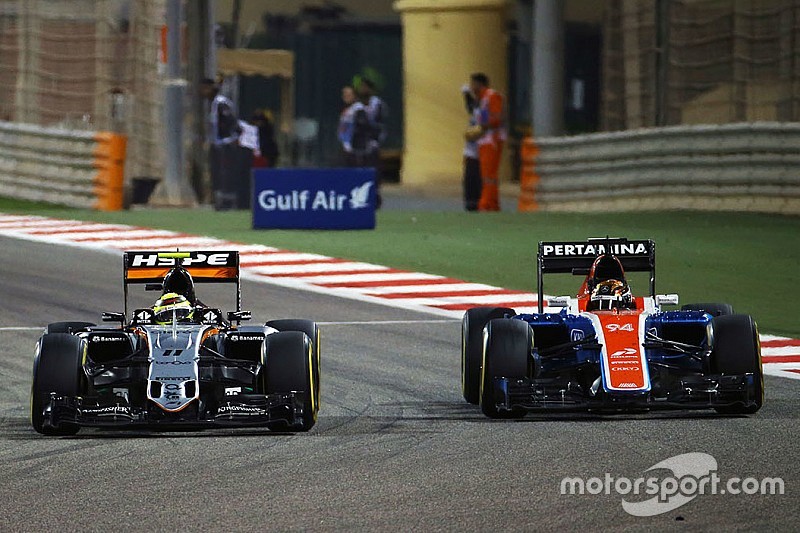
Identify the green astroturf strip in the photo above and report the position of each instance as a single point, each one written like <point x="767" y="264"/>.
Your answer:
<point x="749" y="260"/>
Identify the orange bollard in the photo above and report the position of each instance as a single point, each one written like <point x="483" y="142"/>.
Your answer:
<point x="109" y="160"/>
<point x="528" y="178"/>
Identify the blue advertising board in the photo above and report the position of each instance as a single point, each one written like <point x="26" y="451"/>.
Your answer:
<point x="314" y="198"/>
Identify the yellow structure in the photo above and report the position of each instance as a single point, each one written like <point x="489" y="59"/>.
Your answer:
<point x="444" y="41"/>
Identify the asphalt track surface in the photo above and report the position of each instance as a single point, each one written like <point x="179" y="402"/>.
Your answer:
<point x="395" y="448"/>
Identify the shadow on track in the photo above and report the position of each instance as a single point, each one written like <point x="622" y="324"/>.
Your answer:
<point x="460" y="411"/>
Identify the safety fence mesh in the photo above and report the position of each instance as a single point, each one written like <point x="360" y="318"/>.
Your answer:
<point x="96" y="65"/>
<point x="86" y="65"/>
<point x="673" y="62"/>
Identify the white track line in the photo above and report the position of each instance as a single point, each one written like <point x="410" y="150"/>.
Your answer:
<point x="249" y="249"/>
<point x="117" y="233"/>
<point x="453" y="288"/>
<point x="355" y="278"/>
<point x="386" y="322"/>
<point x="75" y="231"/>
<point x="26" y="224"/>
<point x="158" y="243"/>
<point x="332" y="268"/>
<point x="279" y="257"/>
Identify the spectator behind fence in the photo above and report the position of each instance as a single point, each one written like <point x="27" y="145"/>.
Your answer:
<point x="377" y="113"/>
<point x="354" y="131"/>
<point x="245" y="155"/>
<point x="223" y="129"/>
<point x="267" y="156"/>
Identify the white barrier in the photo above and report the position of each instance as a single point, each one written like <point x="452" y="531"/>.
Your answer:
<point x="751" y="167"/>
<point x="73" y="168"/>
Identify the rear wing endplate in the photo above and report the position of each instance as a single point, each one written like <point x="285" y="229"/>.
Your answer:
<point x="577" y="257"/>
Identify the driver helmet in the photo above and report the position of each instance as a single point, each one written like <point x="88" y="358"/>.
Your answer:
<point x="179" y="281"/>
<point x="172" y="306"/>
<point x="605" y="267"/>
<point x="610" y="294"/>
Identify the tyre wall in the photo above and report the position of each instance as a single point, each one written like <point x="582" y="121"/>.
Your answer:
<point x="73" y="168"/>
<point x="741" y="167"/>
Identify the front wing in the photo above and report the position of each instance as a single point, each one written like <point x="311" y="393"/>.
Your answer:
<point x="243" y="410"/>
<point x="694" y="392"/>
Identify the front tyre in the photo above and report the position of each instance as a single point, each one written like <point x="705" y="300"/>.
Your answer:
<point x="310" y="328"/>
<point x="56" y="369"/>
<point x="288" y="368"/>
<point x="737" y="351"/>
<point x="506" y="354"/>
<point x="472" y="347"/>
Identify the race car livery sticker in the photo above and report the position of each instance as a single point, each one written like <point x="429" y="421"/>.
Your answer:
<point x="173" y="375"/>
<point x="593" y="249"/>
<point x="186" y="259"/>
<point x="230" y="410"/>
<point x="142" y="266"/>
<point x="106" y="411"/>
<point x="624" y="365"/>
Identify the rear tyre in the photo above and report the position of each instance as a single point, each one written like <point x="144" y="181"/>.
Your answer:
<point x="737" y="350"/>
<point x="289" y="369"/>
<point x="506" y="354"/>
<point x="472" y="347"/>
<point x="310" y="328"/>
<point x="68" y="327"/>
<point x="56" y="368"/>
<point x="713" y="309"/>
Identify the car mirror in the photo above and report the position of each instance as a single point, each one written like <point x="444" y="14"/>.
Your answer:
<point x="239" y="316"/>
<point x="667" y="299"/>
<point x="113" y="317"/>
<point x="558" y="301"/>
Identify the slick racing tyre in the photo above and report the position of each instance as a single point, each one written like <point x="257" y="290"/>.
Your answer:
<point x="288" y="368"/>
<point x="68" y="327"/>
<point x="506" y="354"/>
<point x="56" y="368"/>
<point x="737" y="350"/>
<point x="472" y="347"/>
<point x="310" y="328"/>
<point x="713" y="309"/>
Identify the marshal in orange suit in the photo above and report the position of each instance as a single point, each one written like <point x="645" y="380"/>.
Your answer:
<point x="490" y="144"/>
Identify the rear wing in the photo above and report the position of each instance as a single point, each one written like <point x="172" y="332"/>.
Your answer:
<point x="577" y="257"/>
<point x="205" y="267"/>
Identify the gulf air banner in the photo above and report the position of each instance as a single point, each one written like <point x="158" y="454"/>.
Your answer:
<point x="305" y="198"/>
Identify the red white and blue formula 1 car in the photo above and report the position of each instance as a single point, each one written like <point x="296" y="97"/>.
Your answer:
<point x="179" y="363"/>
<point x="607" y="350"/>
